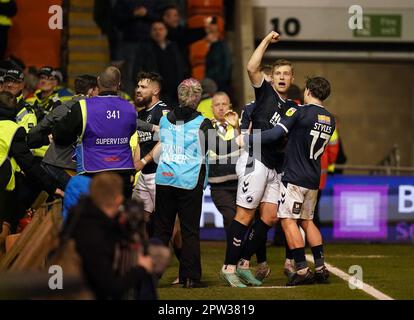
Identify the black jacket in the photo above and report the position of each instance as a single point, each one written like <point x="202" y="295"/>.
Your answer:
<point x="24" y="158"/>
<point x="8" y="9"/>
<point x="56" y="155"/>
<point x="135" y="28"/>
<point x="96" y="236"/>
<point x="172" y="66"/>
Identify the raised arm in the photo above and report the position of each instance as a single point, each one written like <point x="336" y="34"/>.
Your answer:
<point x="253" y="66"/>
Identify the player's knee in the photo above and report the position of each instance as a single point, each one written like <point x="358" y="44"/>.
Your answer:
<point x="244" y="216"/>
<point x="270" y="219"/>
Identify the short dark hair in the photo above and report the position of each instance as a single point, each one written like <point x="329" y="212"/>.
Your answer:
<point x="168" y="7"/>
<point x="319" y="87"/>
<point x="152" y="76"/>
<point x="85" y="82"/>
<point x="281" y="62"/>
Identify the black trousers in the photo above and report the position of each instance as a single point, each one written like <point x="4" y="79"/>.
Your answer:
<point x="225" y="201"/>
<point x="170" y="201"/>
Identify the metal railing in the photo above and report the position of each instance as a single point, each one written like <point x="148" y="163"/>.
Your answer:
<point x="389" y="165"/>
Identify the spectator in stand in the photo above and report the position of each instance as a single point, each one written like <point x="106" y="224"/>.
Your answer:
<point x="168" y="61"/>
<point x="181" y="35"/>
<point x="103" y="16"/>
<point x="134" y="18"/>
<point x="218" y="59"/>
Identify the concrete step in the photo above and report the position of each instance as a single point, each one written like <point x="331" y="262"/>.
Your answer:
<point x="89" y="68"/>
<point x="92" y="43"/>
<point x="81" y="4"/>
<point x="88" y="56"/>
<point x="84" y="32"/>
<point x="81" y="19"/>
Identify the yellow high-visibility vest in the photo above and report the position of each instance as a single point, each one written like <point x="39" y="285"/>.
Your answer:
<point x="8" y="130"/>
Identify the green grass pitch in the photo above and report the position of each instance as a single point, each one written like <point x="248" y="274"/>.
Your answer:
<point x="386" y="267"/>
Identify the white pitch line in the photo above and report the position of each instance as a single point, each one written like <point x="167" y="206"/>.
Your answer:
<point x="371" y="256"/>
<point x="345" y="276"/>
<point x="273" y="287"/>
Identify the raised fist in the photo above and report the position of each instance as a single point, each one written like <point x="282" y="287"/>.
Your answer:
<point x="273" y="37"/>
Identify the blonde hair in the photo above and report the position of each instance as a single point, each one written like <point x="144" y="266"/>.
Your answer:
<point x="189" y="93"/>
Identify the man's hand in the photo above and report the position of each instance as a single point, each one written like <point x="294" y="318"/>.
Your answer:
<point x="140" y="11"/>
<point x="145" y="262"/>
<point x="59" y="192"/>
<point x="140" y="165"/>
<point x="155" y="128"/>
<point x="272" y="37"/>
<point x="240" y="140"/>
<point x="232" y="118"/>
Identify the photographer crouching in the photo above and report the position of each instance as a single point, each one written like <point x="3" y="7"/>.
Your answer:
<point x="112" y="245"/>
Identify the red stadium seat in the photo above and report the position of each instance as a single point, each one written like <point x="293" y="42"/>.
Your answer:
<point x="197" y="21"/>
<point x="198" y="52"/>
<point x="205" y="7"/>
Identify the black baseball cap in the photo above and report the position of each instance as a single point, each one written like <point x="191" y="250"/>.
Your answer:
<point x="46" y="70"/>
<point x="57" y="74"/>
<point x="14" y="74"/>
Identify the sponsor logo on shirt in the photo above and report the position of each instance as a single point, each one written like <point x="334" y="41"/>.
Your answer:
<point x="324" y="119"/>
<point x="297" y="206"/>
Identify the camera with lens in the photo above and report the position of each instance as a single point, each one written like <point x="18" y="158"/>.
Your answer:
<point x="132" y="222"/>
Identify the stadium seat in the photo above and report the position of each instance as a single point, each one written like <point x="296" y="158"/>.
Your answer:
<point x="205" y="7"/>
<point x="198" y="53"/>
<point x="197" y="21"/>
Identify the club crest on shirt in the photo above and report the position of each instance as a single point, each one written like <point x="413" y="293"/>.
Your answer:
<point x="290" y="112"/>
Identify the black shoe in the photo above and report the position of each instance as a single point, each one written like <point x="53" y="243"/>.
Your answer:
<point x="189" y="283"/>
<point x="322" y="276"/>
<point x="297" y="279"/>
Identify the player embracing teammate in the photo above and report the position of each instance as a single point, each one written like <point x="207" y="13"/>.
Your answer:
<point x="290" y="140"/>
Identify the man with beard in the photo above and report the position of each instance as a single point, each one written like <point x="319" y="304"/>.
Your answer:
<point x="147" y="96"/>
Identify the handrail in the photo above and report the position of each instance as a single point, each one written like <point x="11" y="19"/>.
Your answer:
<point x="375" y="169"/>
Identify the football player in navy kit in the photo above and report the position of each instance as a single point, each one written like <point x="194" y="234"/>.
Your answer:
<point x="310" y="127"/>
<point x="147" y="95"/>
<point x="258" y="172"/>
